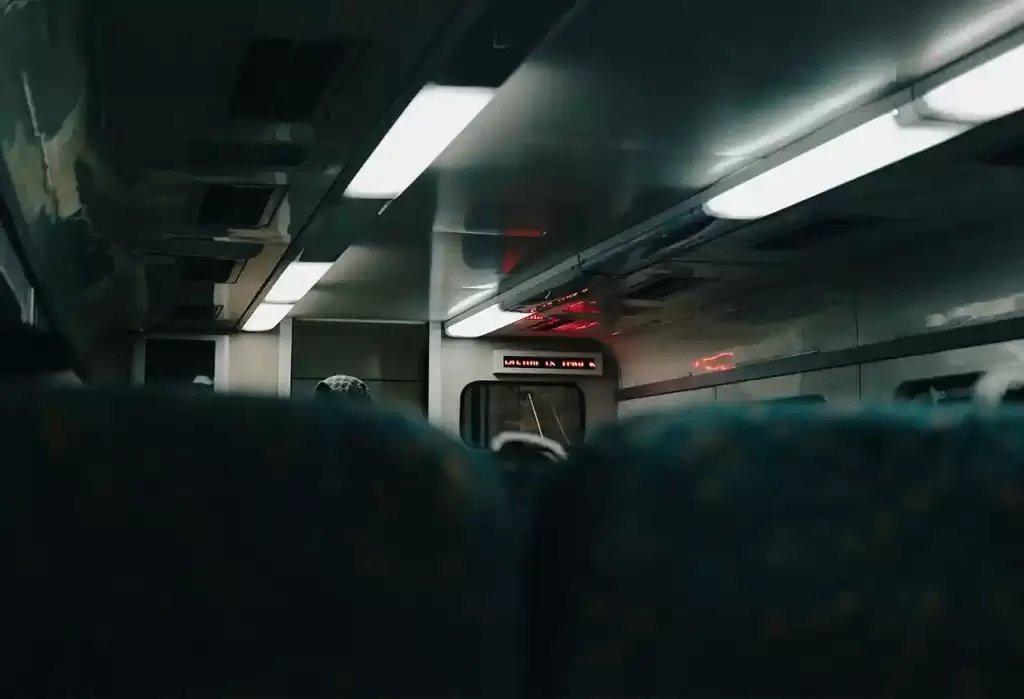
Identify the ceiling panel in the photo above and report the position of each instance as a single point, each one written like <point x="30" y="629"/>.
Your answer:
<point x="622" y="111"/>
<point x="630" y="107"/>
<point x="229" y="121"/>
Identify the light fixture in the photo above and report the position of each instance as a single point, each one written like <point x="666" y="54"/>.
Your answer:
<point x="850" y="155"/>
<point x="296" y="281"/>
<point x="482" y="322"/>
<point x="480" y="293"/>
<point x="986" y="92"/>
<point x="434" y="118"/>
<point x="267" y="316"/>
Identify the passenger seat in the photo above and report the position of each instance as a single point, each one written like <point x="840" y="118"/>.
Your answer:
<point x="785" y="551"/>
<point x="195" y="545"/>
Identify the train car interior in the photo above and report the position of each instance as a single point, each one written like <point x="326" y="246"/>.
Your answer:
<point x="541" y="215"/>
<point x="729" y="265"/>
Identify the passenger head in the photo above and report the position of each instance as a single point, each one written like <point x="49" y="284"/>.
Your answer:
<point x="202" y="384"/>
<point x="344" y="387"/>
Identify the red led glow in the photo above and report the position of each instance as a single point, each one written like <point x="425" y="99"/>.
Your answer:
<point x="510" y="259"/>
<point x="522" y="363"/>
<point x="557" y="302"/>
<point x="575" y="326"/>
<point x="524" y="233"/>
<point x="580" y="364"/>
<point x="581" y="307"/>
<point x="723" y="361"/>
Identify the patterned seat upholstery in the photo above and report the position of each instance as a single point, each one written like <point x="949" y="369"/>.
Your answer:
<point x="172" y="545"/>
<point x="785" y="552"/>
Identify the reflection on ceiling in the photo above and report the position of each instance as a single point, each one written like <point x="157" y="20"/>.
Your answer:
<point x="570" y="189"/>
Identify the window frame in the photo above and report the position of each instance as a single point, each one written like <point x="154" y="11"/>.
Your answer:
<point x="908" y="390"/>
<point x="220" y="363"/>
<point x="801" y="399"/>
<point x="467" y="437"/>
<point x="905" y="394"/>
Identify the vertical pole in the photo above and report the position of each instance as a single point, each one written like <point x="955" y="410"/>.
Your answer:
<point x="284" y="358"/>
<point x="435" y="389"/>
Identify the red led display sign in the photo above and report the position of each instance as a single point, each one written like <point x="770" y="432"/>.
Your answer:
<point x="516" y="361"/>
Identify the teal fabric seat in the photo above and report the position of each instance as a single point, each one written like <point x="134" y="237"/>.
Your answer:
<point x="784" y="552"/>
<point x="201" y="545"/>
<point x="172" y="545"/>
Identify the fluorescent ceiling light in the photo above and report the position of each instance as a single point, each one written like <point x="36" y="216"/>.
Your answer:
<point x="486" y="321"/>
<point x="862" y="150"/>
<point x="434" y="118"/>
<point x="988" y="91"/>
<point x="473" y="299"/>
<point x="267" y="316"/>
<point x="296" y="281"/>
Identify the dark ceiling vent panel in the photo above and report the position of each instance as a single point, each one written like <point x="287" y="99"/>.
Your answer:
<point x="237" y="206"/>
<point x="655" y="248"/>
<point x="555" y="296"/>
<point x="501" y="39"/>
<point x="284" y="80"/>
<point x="550" y="324"/>
<point x="192" y="313"/>
<point x="663" y="288"/>
<point x="815" y="232"/>
<point x="254" y="156"/>
<point x="213" y="270"/>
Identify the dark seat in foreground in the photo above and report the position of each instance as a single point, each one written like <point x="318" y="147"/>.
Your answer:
<point x="201" y="546"/>
<point x="785" y="552"/>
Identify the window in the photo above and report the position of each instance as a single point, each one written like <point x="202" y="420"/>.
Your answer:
<point x="180" y="363"/>
<point x="555" y="411"/>
<point x="948" y="390"/>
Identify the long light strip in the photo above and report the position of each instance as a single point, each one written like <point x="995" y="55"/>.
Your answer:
<point x="484" y="321"/>
<point x="267" y="316"/>
<point x="986" y="92"/>
<point x="296" y="281"/>
<point x="434" y="118"/>
<point x="480" y="294"/>
<point x="853" y="154"/>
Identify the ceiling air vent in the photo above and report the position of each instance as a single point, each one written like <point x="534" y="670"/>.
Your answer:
<point x="237" y="206"/>
<point x="664" y="287"/>
<point x="252" y="156"/>
<point x="815" y="232"/>
<point x="213" y="270"/>
<point x="284" y="80"/>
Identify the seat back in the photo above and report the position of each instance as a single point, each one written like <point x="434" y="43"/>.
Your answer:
<point x="190" y="544"/>
<point x="785" y="551"/>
